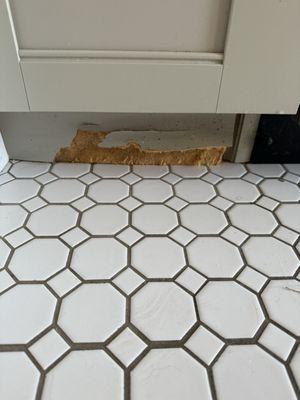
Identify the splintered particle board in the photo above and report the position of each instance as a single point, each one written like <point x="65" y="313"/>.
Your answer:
<point x="142" y="148"/>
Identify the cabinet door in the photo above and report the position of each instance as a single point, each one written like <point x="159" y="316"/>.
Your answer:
<point x="12" y="90"/>
<point x="262" y="58"/>
<point x="121" y="55"/>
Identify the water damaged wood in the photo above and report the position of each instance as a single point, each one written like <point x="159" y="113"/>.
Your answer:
<point x="139" y="148"/>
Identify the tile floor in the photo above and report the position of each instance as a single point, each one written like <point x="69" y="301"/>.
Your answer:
<point x="149" y="283"/>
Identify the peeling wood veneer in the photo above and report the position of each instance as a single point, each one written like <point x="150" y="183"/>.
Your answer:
<point x="86" y="148"/>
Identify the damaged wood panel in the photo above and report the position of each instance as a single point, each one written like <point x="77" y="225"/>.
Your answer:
<point x="86" y="148"/>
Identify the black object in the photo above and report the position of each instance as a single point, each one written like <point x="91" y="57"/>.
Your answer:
<point x="277" y="139"/>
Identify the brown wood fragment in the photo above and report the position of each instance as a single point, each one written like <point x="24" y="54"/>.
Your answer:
<point x="86" y="148"/>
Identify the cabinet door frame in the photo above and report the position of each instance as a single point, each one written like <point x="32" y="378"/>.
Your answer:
<point x="12" y="89"/>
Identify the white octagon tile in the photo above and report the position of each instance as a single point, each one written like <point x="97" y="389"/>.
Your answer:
<point x="247" y="372"/>
<point x="282" y="300"/>
<point x="276" y="340"/>
<point x="229" y="309"/>
<point x="18" y="190"/>
<point x="204" y="344"/>
<point x="38" y="259"/>
<point x="187" y="171"/>
<point x="52" y="220"/>
<point x="150" y="171"/>
<point x="4" y="253"/>
<point x="152" y="191"/>
<point x="111" y="170"/>
<point x="108" y="191"/>
<point x="271" y="256"/>
<point x="128" y="281"/>
<point x="85" y="315"/>
<point x="194" y="190"/>
<point x="6" y="281"/>
<point x="64" y="282"/>
<point x="238" y="190"/>
<point x="267" y="170"/>
<point x="289" y="215"/>
<point x="163" y="311"/>
<point x="229" y="170"/>
<point x="104" y="219"/>
<point x="25" y="311"/>
<point x="127" y="346"/>
<point x="11" y="218"/>
<point x="49" y="348"/>
<point x="154" y="219"/>
<point x="26" y="169"/>
<point x="280" y="190"/>
<point x="169" y="374"/>
<point x="99" y="258"/>
<point x="203" y="219"/>
<point x="63" y="191"/>
<point x="214" y="257"/>
<point x="252" y="218"/>
<point x="70" y="170"/>
<point x="158" y="257"/>
<point x="19" y="377"/>
<point x="191" y="280"/>
<point x="101" y="376"/>
<point x="295" y="366"/>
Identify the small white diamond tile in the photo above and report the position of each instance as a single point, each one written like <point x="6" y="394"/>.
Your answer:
<point x="204" y="344"/>
<point x="127" y="346"/>
<point x="74" y="236"/>
<point x="288" y="236"/>
<point x="291" y="178"/>
<point x="83" y="204"/>
<point x="63" y="282"/>
<point x="129" y="236"/>
<point x="46" y="178"/>
<point x="221" y="203"/>
<point x="277" y="341"/>
<point x="235" y="235"/>
<point x="128" y="281"/>
<point x="6" y="281"/>
<point x="252" y="178"/>
<point x="176" y="203"/>
<point x="131" y="178"/>
<point x="191" y="280"/>
<point x="34" y="204"/>
<point x="211" y="178"/>
<point x="156" y="273"/>
<point x="19" y="237"/>
<point x="130" y="203"/>
<point x="89" y="178"/>
<point x="251" y="278"/>
<point x="48" y="348"/>
<point x="182" y="235"/>
<point x="267" y="203"/>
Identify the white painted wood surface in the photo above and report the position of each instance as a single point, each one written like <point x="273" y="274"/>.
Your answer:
<point x="262" y="58"/>
<point x="145" y="25"/>
<point x="120" y="86"/>
<point x="12" y="91"/>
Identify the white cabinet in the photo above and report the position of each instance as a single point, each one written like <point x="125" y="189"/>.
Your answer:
<point x="189" y="56"/>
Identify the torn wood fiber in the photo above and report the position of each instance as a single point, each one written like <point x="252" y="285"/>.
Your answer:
<point x="86" y="148"/>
